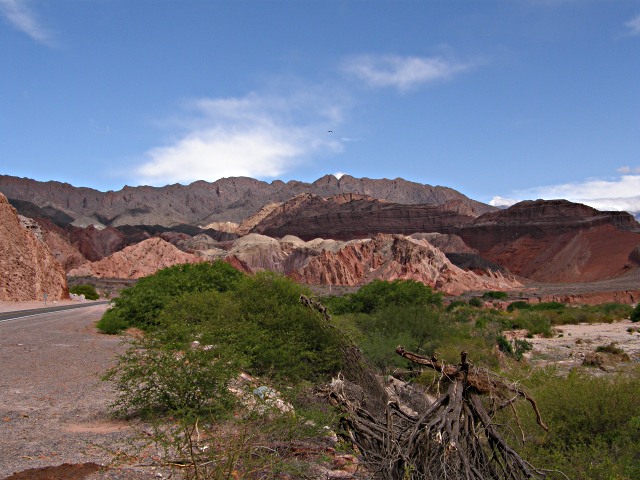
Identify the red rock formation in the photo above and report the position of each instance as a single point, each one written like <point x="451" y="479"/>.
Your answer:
<point x="66" y="254"/>
<point x="556" y="241"/>
<point x="390" y="257"/>
<point x="136" y="261"/>
<point x="28" y="270"/>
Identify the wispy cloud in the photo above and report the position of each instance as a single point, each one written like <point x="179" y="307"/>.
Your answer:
<point x="622" y="193"/>
<point x="633" y="26"/>
<point x="255" y="136"/>
<point x="403" y="73"/>
<point x="18" y="14"/>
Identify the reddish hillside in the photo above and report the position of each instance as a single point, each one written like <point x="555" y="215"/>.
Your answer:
<point x="556" y="241"/>
<point x="136" y="261"/>
<point x="28" y="270"/>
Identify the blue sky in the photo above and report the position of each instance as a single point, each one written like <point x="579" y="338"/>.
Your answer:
<point x="514" y="99"/>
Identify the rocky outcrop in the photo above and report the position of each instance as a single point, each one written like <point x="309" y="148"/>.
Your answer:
<point x="28" y="270"/>
<point x="136" y="261"/>
<point x="391" y="257"/>
<point x="201" y="203"/>
<point x="348" y="217"/>
<point x="556" y="241"/>
<point x="319" y="261"/>
<point x="66" y="254"/>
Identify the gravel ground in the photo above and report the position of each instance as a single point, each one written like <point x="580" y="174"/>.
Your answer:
<point x="53" y="406"/>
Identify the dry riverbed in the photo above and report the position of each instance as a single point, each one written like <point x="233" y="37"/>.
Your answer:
<point x="571" y="344"/>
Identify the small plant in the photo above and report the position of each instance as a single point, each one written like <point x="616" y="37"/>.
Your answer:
<point x="455" y="304"/>
<point x="89" y="291"/>
<point x="495" y="295"/>
<point x="635" y="314"/>
<point x="612" y="348"/>
<point x="518" y="305"/>
<point x="504" y="345"/>
<point x="475" y="302"/>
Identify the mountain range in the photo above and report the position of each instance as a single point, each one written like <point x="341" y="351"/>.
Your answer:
<point x="332" y="231"/>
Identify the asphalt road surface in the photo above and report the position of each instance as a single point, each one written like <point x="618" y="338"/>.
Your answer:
<point x="6" y="316"/>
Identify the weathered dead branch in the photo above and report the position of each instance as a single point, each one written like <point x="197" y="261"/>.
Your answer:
<point x="453" y="437"/>
<point x="404" y="434"/>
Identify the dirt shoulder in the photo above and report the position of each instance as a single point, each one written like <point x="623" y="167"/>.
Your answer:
<point x="53" y="406"/>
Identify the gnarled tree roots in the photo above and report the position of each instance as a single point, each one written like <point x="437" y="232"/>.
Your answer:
<point x="450" y="437"/>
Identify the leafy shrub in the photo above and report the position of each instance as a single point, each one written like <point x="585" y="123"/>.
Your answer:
<point x="547" y="306"/>
<point x="518" y="305"/>
<point x="536" y="323"/>
<point x="380" y="294"/>
<point x="140" y="305"/>
<point x="455" y="304"/>
<point x="635" y="314"/>
<point x="594" y="425"/>
<point x="610" y="348"/>
<point x="154" y="377"/>
<point x="89" y="291"/>
<point x="504" y="345"/>
<point x="262" y="320"/>
<point x="475" y="302"/>
<point x="495" y="295"/>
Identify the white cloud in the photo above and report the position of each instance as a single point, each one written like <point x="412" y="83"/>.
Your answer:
<point x="622" y="194"/>
<point x="501" y="202"/>
<point x="255" y="136"/>
<point x="402" y="73"/>
<point x="627" y="170"/>
<point x="18" y="14"/>
<point x="339" y="175"/>
<point x="633" y="25"/>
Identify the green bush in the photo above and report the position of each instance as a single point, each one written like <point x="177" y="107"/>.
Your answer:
<point x="547" y="306"/>
<point x="155" y="377"/>
<point x="635" y="314"/>
<point x="476" y="302"/>
<point x="594" y="425"/>
<point x="518" y="305"/>
<point x="140" y="305"/>
<point x="89" y="291"/>
<point x="262" y="320"/>
<point x="495" y="295"/>
<point x="380" y="294"/>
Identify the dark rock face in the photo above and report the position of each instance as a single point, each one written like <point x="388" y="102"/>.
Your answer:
<point x="227" y="199"/>
<point x="309" y="216"/>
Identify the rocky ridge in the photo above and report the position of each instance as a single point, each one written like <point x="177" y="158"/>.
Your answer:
<point x="136" y="261"/>
<point x="350" y="263"/>
<point x="200" y="203"/>
<point x="28" y="270"/>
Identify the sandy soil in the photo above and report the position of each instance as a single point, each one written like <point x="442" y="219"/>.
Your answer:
<point x="571" y="343"/>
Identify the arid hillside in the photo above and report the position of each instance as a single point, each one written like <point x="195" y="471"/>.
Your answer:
<point x="28" y="270"/>
<point x="200" y="203"/>
<point x="246" y="222"/>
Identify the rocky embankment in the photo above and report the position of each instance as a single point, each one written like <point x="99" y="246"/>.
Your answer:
<point x="28" y="270"/>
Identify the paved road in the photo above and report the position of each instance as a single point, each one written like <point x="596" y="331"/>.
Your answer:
<point x="6" y="316"/>
<point x="53" y="406"/>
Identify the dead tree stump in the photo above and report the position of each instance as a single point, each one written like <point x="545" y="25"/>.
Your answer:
<point x="453" y="437"/>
